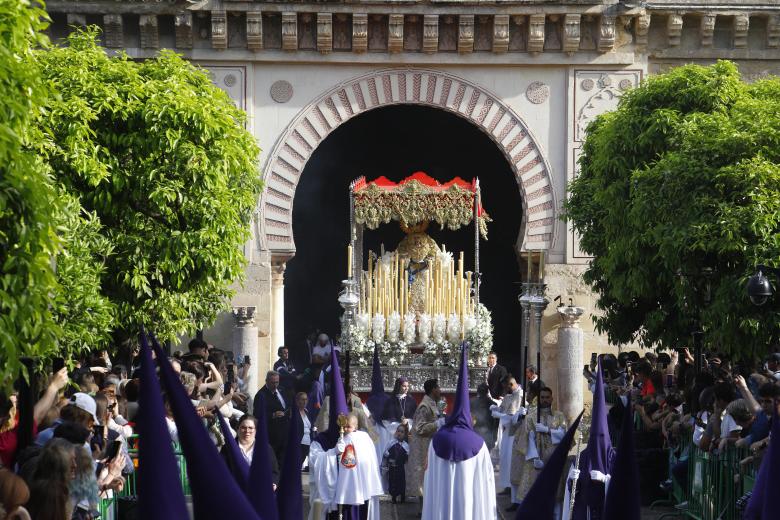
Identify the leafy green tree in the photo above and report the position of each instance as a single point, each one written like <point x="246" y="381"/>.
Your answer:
<point x="166" y="177"/>
<point x="28" y="202"/>
<point x="683" y="178"/>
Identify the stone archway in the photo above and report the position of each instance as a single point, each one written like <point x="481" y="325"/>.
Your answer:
<point x="406" y="86"/>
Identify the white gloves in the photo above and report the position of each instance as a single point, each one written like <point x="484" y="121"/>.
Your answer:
<point x="496" y="414"/>
<point x="522" y="411"/>
<point x="541" y="428"/>
<point x="440" y="422"/>
<point x="493" y="407"/>
<point x="341" y="446"/>
<point x="574" y="474"/>
<point x="598" y="476"/>
<point x="538" y="464"/>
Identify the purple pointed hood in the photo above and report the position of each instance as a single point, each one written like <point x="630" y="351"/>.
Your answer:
<point x="762" y="504"/>
<point x="539" y="503"/>
<point x="289" y="495"/>
<point x="378" y="398"/>
<point x="237" y="465"/>
<point x="160" y="494"/>
<point x="338" y="405"/>
<point x="597" y="456"/>
<point x="261" y="483"/>
<point x="215" y="493"/>
<point x="457" y="441"/>
<point x="623" y="500"/>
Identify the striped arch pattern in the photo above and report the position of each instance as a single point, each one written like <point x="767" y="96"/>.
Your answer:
<point x="406" y="86"/>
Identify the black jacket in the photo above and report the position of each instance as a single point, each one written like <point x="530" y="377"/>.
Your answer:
<point x="277" y="426"/>
<point x="495" y="381"/>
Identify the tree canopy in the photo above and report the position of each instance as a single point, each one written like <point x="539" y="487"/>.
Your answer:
<point x="678" y="192"/>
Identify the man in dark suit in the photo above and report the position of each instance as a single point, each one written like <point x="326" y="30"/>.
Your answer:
<point x="533" y="383"/>
<point x="276" y="413"/>
<point x="495" y="375"/>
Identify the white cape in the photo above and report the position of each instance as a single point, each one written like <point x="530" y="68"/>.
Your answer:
<point x="459" y="490"/>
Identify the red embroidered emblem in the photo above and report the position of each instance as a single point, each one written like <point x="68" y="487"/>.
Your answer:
<point x="348" y="458"/>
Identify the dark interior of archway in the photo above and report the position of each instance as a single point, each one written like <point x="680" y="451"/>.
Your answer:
<point x="395" y="142"/>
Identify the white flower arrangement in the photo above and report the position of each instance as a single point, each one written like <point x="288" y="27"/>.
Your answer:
<point x="481" y="335"/>
<point x="378" y="328"/>
<point x="439" y="328"/>
<point x="453" y="328"/>
<point x="469" y="322"/>
<point x="393" y="327"/>
<point x="364" y="323"/>
<point x="410" y="332"/>
<point x="424" y="328"/>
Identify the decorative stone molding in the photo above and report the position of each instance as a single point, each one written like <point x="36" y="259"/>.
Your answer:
<point x="641" y="28"/>
<point x="571" y="33"/>
<point x="466" y="33"/>
<point x="113" y="34"/>
<point x="500" y="33"/>
<point x="707" y="29"/>
<point x="430" y="33"/>
<point x="219" y="29"/>
<point x="437" y="89"/>
<point x="281" y="91"/>
<point x="597" y="92"/>
<point x="395" y="33"/>
<point x="773" y="31"/>
<point x="290" y="31"/>
<point x="674" y="25"/>
<point x="741" y="26"/>
<point x="537" y="92"/>
<point x="150" y="37"/>
<point x="244" y="316"/>
<point x="183" y="28"/>
<point x="359" y="32"/>
<point x="607" y="33"/>
<point x="536" y="33"/>
<point x="325" y="32"/>
<point x="76" y="20"/>
<point x="254" y="30"/>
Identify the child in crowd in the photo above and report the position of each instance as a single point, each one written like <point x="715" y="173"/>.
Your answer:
<point x="395" y="458"/>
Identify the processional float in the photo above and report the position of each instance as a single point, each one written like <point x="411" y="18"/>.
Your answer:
<point x="416" y="303"/>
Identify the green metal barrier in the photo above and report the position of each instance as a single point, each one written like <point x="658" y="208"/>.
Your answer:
<point x="715" y="482"/>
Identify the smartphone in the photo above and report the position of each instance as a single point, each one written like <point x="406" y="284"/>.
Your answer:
<point x="113" y="450"/>
<point x="57" y="364"/>
<point x="246" y="360"/>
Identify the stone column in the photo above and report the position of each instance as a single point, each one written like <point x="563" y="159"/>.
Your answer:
<point x="570" y="347"/>
<point x="245" y="343"/>
<point x="277" y="307"/>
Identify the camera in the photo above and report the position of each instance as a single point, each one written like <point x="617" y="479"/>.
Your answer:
<point x="759" y="288"/>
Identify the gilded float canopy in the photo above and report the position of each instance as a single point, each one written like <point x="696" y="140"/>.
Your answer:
<point x="418" y="198"/>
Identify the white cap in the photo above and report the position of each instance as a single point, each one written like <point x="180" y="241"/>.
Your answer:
<point x="86" y="403"/>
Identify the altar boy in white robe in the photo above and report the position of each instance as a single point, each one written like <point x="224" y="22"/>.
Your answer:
<point x="343" y="469"/>
<point x="459" y="482"/>
<point x="505" y="413"/>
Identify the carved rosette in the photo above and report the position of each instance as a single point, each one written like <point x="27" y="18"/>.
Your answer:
<point x="254" y="30"/>
<point x="501" y="33"/>
<point x="150" y="38"/>
<point x="244" y="316"/>
<point x="359" y="32"/>
<point x="430" y="33"/>
<point x="290" y="31"/>
<point x="466" y="33"/>
<point x="674" y="29"/>
<point x="571" y="33"/>
<point x="183" y="27"/>
<point x="607" y="33"/>
<point x="325" y="32"/>
<point x="113" y="35"/>
<point x="395" y="34"/>
<point x="218" y="29"/>
<point x="536" y="33"/>
<point x="741" y="26"/>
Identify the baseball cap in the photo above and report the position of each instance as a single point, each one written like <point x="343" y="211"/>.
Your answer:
<point x="86" y="403"/>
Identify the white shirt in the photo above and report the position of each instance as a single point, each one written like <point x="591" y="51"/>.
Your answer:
<point x="281" y="399"/>
<point x="247" y="453"/>
<point x="728" y="425"/>
<point x="321" y="351"/>
<point x="306" y="439"/>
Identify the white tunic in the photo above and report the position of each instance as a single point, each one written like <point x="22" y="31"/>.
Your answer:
<point x="459" y="490"/>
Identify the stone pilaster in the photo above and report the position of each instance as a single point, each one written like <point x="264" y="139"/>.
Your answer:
<point x="245" y="343"/>
<point x="430" y="33"/>
<point x="325" y="32"/>
<point x="773" y="31"/>
<point x="183" y="28"/>
<point x="113" y="33"/>
<point x="741" y="26"/>
<point x="500" y="33"/>
<point x="277" y="305"/>
<point x="571" y="343"/>
<point x="150" y="35"/>
<point x="359" y="32"/>
<point x="571" y="33"/>
<point x="707" y="29"/>
<point x="254" y="30"/>
<point x="536" y="33"/>
<point x="466" y="33"/>
<point x="290" y="31"/>
<point x="674" y="25"/>
<point x="606" y="33"/>
<point x="219" y="29"/>
<point x="395" y="33"/>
